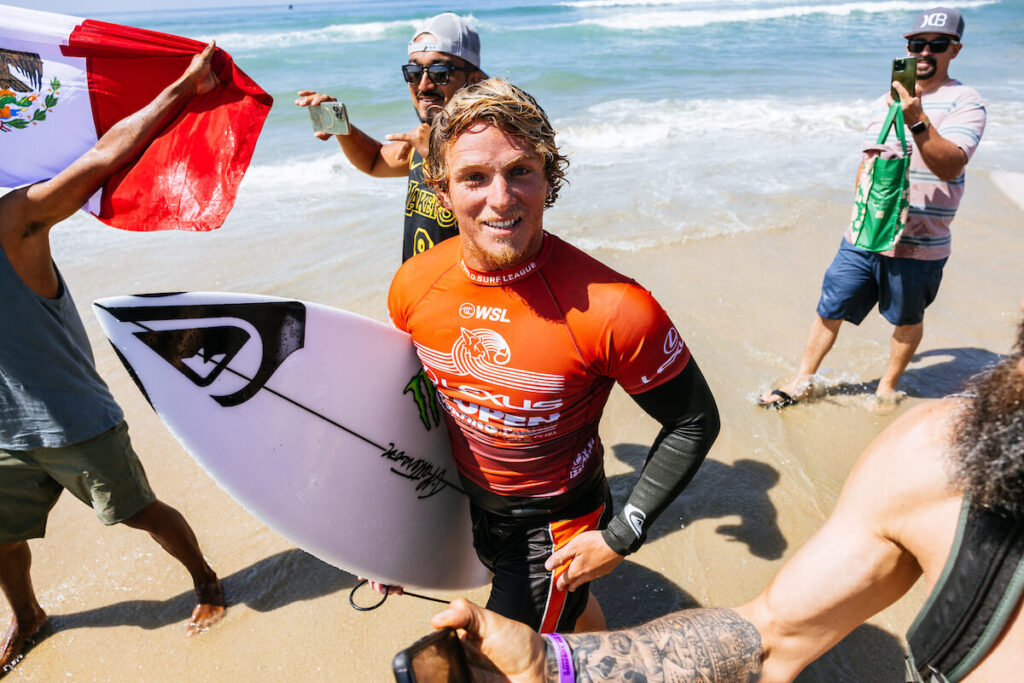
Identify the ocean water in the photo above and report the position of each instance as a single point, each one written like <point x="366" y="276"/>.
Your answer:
<point x="683" y="119"/>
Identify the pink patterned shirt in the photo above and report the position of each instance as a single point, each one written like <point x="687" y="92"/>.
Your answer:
<point x="958" y="114"/>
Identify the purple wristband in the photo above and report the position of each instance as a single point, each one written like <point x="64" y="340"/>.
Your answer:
<point x="566" y="672"/>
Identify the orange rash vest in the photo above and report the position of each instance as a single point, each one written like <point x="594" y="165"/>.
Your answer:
<point x="524" y="359"/>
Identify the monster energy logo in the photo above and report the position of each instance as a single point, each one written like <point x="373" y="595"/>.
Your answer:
<point x="425" y="395"/>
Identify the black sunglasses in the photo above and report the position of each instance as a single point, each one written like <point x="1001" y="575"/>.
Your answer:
<point x="937" y="45"/>
<point x="437" y="73"/>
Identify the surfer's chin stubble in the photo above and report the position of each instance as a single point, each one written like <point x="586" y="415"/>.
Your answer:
<point x="500" y="257"/>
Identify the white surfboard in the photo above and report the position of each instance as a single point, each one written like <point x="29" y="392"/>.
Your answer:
<point x="319" y="422"/>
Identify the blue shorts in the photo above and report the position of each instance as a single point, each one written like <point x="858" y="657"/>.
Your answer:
<point x="858" y="279"/>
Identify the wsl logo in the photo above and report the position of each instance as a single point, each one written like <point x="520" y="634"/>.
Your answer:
<point x="23" y="104"/>
<point x="492" y="313"/>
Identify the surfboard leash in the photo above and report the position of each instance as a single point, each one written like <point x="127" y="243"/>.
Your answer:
<point x="370" y="608"/>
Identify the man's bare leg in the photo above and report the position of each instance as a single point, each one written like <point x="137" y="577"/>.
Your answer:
<point x="820" y="339"/>
<point x="172" y="532"/>
<point x="905" y="340"/>
<point x="592" y="618"/>
<point x="16" y="583"/>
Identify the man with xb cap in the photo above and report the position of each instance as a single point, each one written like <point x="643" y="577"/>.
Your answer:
<point x="946" y="120"/>
<point x="444" y="56"/>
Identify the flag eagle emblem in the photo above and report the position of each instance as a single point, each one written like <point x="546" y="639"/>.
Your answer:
<point x="20" y="102"/>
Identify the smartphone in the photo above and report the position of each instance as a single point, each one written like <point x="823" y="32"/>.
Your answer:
<point x="437" y="658"/>
<point x="329" y="117"/>
<point x="904" y="70"/>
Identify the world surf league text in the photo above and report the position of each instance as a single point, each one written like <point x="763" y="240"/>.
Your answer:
<point x="429" y="477"/>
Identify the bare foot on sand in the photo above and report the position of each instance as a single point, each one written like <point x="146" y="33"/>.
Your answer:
<point x="209" y="608"/>
<point x="16" y="637"/>
<point x="883" y="404"/>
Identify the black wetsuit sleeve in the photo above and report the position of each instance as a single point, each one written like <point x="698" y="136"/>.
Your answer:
<point x="689" y="417"/>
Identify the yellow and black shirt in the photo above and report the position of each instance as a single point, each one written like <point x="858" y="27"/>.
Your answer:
<point x="427" y="223"/>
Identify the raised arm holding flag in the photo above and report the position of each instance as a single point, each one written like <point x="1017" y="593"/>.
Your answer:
<point x="172" y="161"/>
<point x="66" y="81"/>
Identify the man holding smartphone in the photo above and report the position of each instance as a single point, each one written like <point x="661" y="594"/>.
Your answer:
<point x="444" y="56"/>
<point x="946" y="120"/>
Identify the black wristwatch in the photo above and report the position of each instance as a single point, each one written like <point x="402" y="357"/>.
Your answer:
<point x="920" y="127"/>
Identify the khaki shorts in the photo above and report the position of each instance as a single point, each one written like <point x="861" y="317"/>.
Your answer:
<point x="102" y="472"/>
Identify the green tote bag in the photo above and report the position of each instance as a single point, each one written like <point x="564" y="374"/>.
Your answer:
<point x="881" y="202"/>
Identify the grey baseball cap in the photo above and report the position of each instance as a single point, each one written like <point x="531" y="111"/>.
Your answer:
<point x="938" y="20"/>
<point x="451" y="34"/>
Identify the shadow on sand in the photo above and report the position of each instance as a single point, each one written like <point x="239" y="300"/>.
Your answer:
<point x="934" y="380"/>
<point x="718" y="490"/>
<point x="947" y="376"/>
<point x="633" y="594"/>
<point x="273" y="582"/>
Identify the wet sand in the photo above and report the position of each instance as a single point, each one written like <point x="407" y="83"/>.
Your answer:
<point x="118" y="604"/>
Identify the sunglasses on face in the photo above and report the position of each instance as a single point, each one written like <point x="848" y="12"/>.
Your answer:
<point x="937" y="45"/>
<point x="437" y="73"/>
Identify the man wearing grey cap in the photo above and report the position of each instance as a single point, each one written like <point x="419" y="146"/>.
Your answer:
<point x="444" y="55"/>
<point x="946" y="120"/>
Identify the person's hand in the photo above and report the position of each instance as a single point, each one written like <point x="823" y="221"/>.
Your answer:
<point x="199" y="74"/>
<point x="312" y="98"/>
<point x="912" y="109"/>
<point x="418" y="138"/>
<point x="497" y="649"/>
<point x="588" y="557"/>
<point x="383" y="588"/>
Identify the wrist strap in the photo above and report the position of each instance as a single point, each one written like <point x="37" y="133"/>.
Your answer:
<point x="566" y="672"/>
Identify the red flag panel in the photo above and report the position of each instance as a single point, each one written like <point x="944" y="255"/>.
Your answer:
<point x="188" y="178"/>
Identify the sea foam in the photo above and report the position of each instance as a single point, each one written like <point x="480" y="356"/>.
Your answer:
<point x="334" y="33"/>
<point x="658" y="20"/>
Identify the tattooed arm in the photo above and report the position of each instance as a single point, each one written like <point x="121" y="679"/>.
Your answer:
<point x="692" y="645"/>
<point x="896" y="511"/>
<point x="856" y="565"/>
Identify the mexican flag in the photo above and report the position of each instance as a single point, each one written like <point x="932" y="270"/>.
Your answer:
<point x="65" y="81"/>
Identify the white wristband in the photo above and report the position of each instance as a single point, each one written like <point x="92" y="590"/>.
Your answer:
<point x="566" y="672"/>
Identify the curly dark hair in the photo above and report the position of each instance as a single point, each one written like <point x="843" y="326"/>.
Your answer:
<point x="988" y="454"/>
<point x="509" y="109"/>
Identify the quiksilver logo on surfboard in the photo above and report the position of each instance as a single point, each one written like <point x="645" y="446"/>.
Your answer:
<point x="203" y="352"/>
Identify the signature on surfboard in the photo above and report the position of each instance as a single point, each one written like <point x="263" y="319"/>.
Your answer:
<point x="429" y="477"/>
